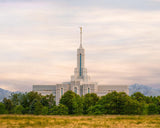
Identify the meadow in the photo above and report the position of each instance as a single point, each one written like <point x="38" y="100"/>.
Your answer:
<point x="106" y="121"/>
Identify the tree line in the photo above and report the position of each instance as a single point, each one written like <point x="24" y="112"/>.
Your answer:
<point x="90" y="104"/>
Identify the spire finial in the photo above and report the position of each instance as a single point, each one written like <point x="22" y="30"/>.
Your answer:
<point x="80" y="37"/>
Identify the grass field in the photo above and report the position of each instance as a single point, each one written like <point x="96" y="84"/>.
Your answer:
<point x="110" y="121"/>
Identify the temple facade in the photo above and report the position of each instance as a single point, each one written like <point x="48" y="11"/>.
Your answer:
<point x="80" y="82"/>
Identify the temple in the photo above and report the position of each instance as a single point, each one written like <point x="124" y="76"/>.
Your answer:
<point x="80" y="82"/>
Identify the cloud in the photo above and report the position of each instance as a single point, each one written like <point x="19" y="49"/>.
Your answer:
<point x="155" y="0"/>
<point x="38" y="42"/>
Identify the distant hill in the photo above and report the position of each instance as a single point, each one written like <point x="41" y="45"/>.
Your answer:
<point x="4" y="93"/>
<point x="146" y="90"/>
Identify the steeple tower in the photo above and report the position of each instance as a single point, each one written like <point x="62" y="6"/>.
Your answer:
<point x="80" y="72"/>
<point x="80" y="57"/>
<point x="80" y="37"/>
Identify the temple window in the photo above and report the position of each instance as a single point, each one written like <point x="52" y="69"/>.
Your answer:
<point x="75" y="90"/>
<point x="62" y="91"/>
<point x="88" y="90"/>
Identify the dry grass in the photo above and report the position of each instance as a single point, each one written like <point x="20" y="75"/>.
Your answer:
<point x="107" y="121"/>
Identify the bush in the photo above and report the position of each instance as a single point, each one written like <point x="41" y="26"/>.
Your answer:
<point x="2" y="109"/>
<point x="8" y="105"/>
<point x="59" y="110"/>
<point x="96" y="110"/>
<point x="44" y="110"/>
<point x="152" y="109"/>
<point x="73" y="102"/>
<point x="18" y="109"/>
<point x="62" y="109"/>
<point x="90" y="99"/>
<point x="133" y="107"/>
<point x="38" y="108"/>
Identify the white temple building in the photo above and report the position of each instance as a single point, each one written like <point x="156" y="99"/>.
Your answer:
<point x="80" y="82"/>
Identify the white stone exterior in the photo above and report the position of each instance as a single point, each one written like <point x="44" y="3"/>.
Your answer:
<point x="104" y="89"/>
<point x="80" y="82"/>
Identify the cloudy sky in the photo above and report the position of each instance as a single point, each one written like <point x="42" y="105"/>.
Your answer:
<point x="39" y="39"/>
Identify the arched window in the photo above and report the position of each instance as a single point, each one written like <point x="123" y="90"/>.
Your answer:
<point x="88" y="90"/>
<point x="61" y="91"/>
<point x="80" y="70"/>
<point x="75" y="90"/>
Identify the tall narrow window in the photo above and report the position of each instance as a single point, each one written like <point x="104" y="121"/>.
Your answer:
<point x="61" y="91"/>
<point x="80" y="67"/>
<point x="88" y="90"/>
<point x="75" y="90"/>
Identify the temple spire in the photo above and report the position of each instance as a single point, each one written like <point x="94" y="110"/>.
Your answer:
<point x="80" y="37"/>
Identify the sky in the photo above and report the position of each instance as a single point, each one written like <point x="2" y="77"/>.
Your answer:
<point x="39" y="41"/>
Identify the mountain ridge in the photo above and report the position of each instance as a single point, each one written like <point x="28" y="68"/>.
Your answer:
<point x="4" y="93"/>
<point x="146" y="90"/>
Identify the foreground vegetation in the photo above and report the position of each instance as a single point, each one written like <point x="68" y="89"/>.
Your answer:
<point x="107" y="121"/>
<point x="73" y="104"/>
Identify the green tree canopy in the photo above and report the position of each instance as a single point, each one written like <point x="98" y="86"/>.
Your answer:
<point x="119" y="103"/>
<point x="73" y="102"/>
<point x="138" y="96"/>
<point x="90" y="99"/>
<point x="18" y="109"/>
<point x="152" y="109"/>
<point x="2" y="109"/>
<point x="48" y="100"/>
<point x="8" y="105"/>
